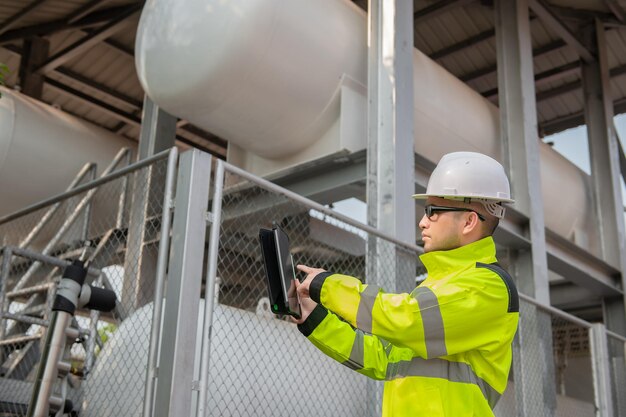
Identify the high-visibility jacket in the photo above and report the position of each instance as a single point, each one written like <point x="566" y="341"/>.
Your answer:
<point x="443" y="350"/>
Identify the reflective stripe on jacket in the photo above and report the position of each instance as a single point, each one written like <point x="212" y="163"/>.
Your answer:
<point x="443" y="350"/>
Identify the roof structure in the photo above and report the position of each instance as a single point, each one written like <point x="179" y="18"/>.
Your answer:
<point x="89" y="67"/>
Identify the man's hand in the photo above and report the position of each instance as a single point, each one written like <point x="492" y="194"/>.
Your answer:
<point x="306" y="307"/>
<point x="303" y="288"/>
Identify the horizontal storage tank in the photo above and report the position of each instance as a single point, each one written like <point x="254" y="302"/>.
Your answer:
<point x="278" y="80"/>
<point x="251" y="372"/>
<point x="43" y="148"/>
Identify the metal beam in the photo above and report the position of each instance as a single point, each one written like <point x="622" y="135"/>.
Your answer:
<point x="121" y="115"/>
<point x="60" y="25"/>
<point x="545" y="77"/>
<point x="19" y="16"/>
<point x="467" y="43"/>
<point x="616" y="9"/>
<point x="575" y="85"/>
<point x="542" y="10"/>
<point x="492" y="69"/>
<point x="35" y="53"/>
<point x="438" y="8"/>
<point x="84" y="10"/>
<point x="89" y="41"/>
<point x="534" y="388"/>
<point x="569" y="121"/>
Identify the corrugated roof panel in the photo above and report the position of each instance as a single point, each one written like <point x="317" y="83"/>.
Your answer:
<point x="616" y="47"/>
<point x="62" y="40"/>
<point x="109" y="67"/>
<point x="618" y="87"/>
<point x="45" y="12"/>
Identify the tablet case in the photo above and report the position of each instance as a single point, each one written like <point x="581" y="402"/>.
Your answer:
<point x="275" y="279"/>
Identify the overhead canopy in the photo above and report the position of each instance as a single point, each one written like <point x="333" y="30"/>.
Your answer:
<point x="89" y="70"/>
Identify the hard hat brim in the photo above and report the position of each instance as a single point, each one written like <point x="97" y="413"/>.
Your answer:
<point x="460" y="197"/>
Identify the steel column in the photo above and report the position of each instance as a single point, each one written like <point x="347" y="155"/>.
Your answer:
<point x="158" y="132"/>
<point x="390" y="151"/>
<point x="180" y="319"/>
<point x="158" y="129"/>
<point x="600" y="363"/>
<point x="605" y="174"/>
<point x="535" y="392"/>
<point x="35" y="54"/>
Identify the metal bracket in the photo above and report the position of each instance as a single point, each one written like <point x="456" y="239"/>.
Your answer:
<point x="195" y="385"/>
<point x="210" y="217"/>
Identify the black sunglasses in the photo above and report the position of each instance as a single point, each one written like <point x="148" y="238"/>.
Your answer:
<point x="430" y="210"/>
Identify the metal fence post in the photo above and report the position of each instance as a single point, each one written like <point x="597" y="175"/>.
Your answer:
<point x="164" y="244"/>
<point x="601" y="370"/>
<point x="180" y="319"/>
<point x="209" y="297"/>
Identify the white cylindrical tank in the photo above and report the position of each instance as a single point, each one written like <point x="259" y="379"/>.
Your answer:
<point x="43" y="148"/>
<point x="262" y="73"/>
<point x="259" y="366"/>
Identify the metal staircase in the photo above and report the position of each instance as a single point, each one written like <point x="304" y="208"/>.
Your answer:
<point x="29" y="274"/>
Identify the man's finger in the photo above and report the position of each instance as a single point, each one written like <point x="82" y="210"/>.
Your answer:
<point x="304" y="268"/>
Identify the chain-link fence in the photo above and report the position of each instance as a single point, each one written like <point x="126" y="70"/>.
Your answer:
<point x="113" y="223"/>
<point x="257" y="358"/>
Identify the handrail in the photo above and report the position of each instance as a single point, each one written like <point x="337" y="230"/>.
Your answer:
<point x="316" y="206"/>
<point x="87" y="168"/>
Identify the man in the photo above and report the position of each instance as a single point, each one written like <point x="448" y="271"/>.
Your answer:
<point x="445" y="348"/>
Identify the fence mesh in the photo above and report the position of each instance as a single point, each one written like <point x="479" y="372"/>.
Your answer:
<point x="257" y="359"/>
<point x="117" y="230"/>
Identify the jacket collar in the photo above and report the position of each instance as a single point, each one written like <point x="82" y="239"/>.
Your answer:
<point x="439" y="263"/>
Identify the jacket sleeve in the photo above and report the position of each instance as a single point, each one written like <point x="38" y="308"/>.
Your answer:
<point x="361" y="352"/>
<point x="431" y="321"/>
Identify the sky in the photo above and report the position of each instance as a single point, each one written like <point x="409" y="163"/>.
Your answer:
<point x="571" y="143"/>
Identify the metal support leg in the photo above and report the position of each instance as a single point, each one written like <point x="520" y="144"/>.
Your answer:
<point x="180" y="319"/>
<point x="390" y="152"/>
<point x="600" y="363"/>
<point x="534" y="385"/>
<point x="605" y="172"/>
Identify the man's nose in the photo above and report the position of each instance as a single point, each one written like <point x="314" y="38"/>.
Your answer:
<point x="423" y="222"/>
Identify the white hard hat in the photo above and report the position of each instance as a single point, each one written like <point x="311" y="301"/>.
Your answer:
<point x="473" y="176"/>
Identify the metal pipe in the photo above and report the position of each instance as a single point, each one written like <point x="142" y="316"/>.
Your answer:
<point x="47" y="372"/>
<point x="30" y="290"/>
<point x="88" y="167"/>
<point x="17" y="340"/>
<point x="61" y="263"/>
<point x="25" y="319"/>
<point x="616" y="336"/>
<point x="85" y="187"/>
<point x="209" y="297"/>
<point x="316" y="206"/>
<point x="86" y="219"/>
<point x="164" y="243"/>
<point x="4" y="277"/>
<point x="555" y="311"/>
<point x="122" y="201"/>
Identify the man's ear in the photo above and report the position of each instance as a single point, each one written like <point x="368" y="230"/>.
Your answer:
<point x="472" y="222"/>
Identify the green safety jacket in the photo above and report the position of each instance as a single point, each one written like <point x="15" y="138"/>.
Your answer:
<point x="443" y="350"/>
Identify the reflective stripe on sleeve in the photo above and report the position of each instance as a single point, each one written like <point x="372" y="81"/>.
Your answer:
<point x="366" y="305"/>
<point x="441" y="368"/>
<point x="434" y="334"/>
<point x="356" y="360"/>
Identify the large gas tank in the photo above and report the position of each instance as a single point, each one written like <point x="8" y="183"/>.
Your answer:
<point x="266" y="76"/>
<point x="257" y="365"/>
<point x="43" y="148"/>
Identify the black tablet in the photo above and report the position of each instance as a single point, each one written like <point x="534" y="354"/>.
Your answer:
<point x="279" y="272"/>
